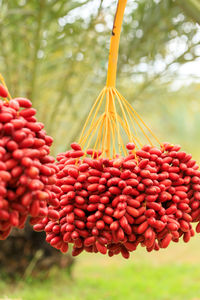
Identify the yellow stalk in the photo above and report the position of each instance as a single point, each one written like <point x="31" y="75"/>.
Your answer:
<point x="114" y="44"/>
<point x="109" y="125"/>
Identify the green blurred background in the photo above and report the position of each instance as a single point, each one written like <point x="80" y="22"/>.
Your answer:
<point x="55" y="52"/>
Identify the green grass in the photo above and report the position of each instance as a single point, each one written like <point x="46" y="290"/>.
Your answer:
<point x="172" y="274"/>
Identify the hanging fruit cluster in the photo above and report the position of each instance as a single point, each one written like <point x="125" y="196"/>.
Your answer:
<point x="27" y="172"/>
<point x="149" y="197"/>
<point x="121" y="197"/>
<point x="107" y="199"/>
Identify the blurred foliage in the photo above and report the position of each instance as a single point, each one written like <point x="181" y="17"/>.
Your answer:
<point x="192" y="8"/>
<point x="55" y="53"/>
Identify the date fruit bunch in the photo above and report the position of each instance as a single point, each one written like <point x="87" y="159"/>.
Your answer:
<point x="148" y="198"/>
<point x="27" y="172"/>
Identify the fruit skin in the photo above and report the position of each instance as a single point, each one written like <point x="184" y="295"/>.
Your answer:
<point x="27" y="172"/>
<point x="3" y="91"/>
<point x="148" y="198"/>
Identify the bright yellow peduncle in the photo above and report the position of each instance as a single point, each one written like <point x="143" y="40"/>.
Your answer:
<point x="111" y="115"/>
<point x="114" y="44"/>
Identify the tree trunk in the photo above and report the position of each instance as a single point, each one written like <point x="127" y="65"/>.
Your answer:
<point x="25" y="253"/>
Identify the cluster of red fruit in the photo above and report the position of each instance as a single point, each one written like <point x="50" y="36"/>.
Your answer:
<point x="150" y="198"/>
<point x="27" y="172"/>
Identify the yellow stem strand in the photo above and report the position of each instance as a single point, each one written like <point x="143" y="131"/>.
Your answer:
<point x="112" y="122"/>
<point x="134" y="127"/>
<point x="94" y="131"/>
<point x="148" y="139"/>
<point x="99" y="99"/>
<point x="153" y="135"/>
<point x="121" y="141"/>
<point x="96" y="147"/>
<point x="134" y="138"/>
<point x="92" y="127"/>
<point x="116" y="121"/>
<point x="124" y="116"/>
<point x="104" y="135"/>
<point x="108" y="123"/>
<point x="130" y="113"/>
<point x="4" y="84"/>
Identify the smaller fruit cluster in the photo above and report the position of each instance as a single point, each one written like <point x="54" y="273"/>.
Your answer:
<point x="149" y="198"/>
<point x="27" y="172"/>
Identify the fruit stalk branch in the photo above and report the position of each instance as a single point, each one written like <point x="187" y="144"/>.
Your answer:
<point x="114" y="44"/>
<point x="112" y="68"/>
<point x="4" y="84"/>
